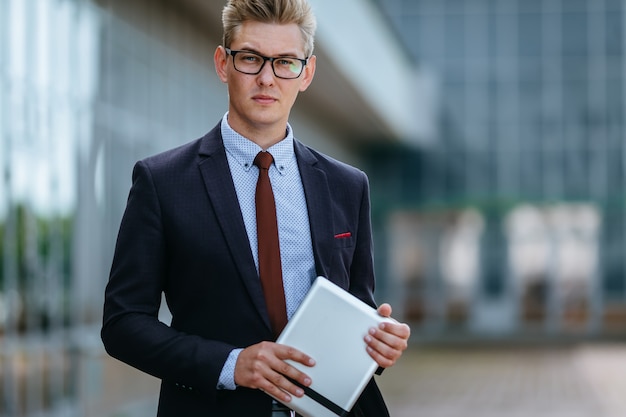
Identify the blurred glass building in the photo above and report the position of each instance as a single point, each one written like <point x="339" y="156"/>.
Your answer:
<point x="509" y="221"/>
<point x="88" y="87"/>
<point x="492" y="132"/>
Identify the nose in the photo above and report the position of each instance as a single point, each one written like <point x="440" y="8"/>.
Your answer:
<point x="266" y="76"/>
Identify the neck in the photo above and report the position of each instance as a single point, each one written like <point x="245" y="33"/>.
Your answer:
<point x="264" y="139"/>
<point x="263" y="135"/>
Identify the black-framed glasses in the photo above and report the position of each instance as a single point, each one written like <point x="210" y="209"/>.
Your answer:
<point x="252" y="63"/>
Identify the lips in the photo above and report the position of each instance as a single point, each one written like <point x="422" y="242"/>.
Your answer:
<point x="264" y="99"/>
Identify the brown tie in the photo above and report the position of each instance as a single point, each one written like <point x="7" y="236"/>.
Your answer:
<point x="269" y="251"/>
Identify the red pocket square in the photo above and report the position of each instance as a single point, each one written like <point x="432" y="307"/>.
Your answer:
<point x="343" y="235"/>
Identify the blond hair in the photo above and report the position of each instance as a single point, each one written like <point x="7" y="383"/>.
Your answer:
<point x="236" y="12"/>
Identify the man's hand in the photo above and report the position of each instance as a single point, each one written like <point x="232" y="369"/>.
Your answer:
<point x="386" y="342"/>
<point x="262" y="366"/>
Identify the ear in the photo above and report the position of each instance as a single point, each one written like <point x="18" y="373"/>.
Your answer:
<point x="309" y="72"/>
<point x="221" y="61"/>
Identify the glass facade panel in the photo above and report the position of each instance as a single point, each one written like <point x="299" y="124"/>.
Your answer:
<point x="531" y="99"/>
<point x="84" y="95"/>
<point x="44" y="88"/>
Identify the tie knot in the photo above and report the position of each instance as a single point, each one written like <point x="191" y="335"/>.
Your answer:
<point x="263" y="160"/>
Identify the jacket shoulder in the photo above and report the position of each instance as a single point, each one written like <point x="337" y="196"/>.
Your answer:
<point x="325" y="162"/>
<point x="184" y="155"/>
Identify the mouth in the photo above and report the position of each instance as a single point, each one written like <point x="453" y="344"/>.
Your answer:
<point x="264" y="99"/>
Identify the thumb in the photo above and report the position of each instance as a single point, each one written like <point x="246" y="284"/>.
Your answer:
<point x="384" y="310"/>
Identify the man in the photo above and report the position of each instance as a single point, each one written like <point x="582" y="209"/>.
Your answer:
<point x="190" y="231"/>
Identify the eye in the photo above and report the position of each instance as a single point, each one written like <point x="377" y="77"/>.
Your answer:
<point x="249" y="58"/>
<point x="284" y="62"/>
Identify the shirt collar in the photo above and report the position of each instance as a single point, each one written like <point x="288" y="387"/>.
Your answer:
<point x="243" y="150"/>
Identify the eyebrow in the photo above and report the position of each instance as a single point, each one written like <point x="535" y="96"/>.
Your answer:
<point x="285" y="55"/>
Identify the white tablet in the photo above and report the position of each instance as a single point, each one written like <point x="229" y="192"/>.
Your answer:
<point x="329" y="326"/>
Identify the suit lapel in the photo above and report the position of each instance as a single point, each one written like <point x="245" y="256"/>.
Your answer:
<point x="317" y="194"/>
<point x="215" y="172"/>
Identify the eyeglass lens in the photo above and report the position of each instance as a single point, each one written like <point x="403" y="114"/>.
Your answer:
<point x="284" y="67"/>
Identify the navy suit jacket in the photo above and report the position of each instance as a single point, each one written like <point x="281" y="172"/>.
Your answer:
<point x="182" y="234"/>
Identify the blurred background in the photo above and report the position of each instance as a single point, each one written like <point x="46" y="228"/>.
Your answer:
<point x="493" y="133"/>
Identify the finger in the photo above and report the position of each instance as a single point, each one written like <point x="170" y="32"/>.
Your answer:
<point x="258" y="367"/>
<point x="382" y="360"/>
<point x="386" y="347"/>
<point x="281" y="387"/>
<point x="391" y="334"/>
<point x="401" y="330"/>
<point x="384" y="310"/>
<point x="287" y="353"/>
<point x="386" y="344"/>
<point x="279" y="378"/>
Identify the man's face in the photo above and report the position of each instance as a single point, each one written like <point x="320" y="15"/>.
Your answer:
<point x="262" y="102"/>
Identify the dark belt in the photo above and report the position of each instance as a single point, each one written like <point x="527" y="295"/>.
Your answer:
<point x="281" y="413"/>
<point x="279" y="410"/>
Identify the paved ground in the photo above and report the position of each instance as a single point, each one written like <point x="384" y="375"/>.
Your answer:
<point x="583" y="381"/>
<point x="588" y="380"/>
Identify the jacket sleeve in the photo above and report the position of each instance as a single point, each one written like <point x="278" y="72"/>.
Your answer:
<point x="131" y="331"/>
<point x="362" y="281"/>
